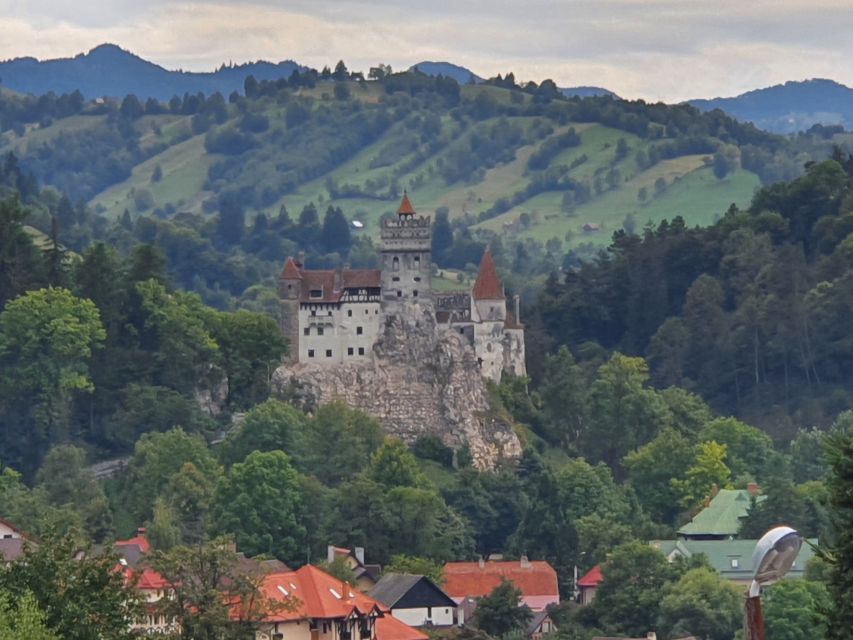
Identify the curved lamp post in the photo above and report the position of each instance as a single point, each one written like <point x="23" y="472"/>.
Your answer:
<point x="772" y="559"/>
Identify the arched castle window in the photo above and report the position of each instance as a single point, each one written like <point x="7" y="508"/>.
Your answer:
<point x="395" y="264"/>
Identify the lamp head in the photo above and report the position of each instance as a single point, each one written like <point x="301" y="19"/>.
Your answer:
<point x="775" y="554"/>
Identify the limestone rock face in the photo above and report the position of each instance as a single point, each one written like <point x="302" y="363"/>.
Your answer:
<point x="422" y="381"/>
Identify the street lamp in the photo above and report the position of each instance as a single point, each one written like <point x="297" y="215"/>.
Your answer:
<point x="772" y="559"/>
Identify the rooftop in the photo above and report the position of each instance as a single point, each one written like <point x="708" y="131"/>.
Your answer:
<point x="393" y="586"/>
<point x="488" y="285"/>
<point x="730" y="558"/>
<point x="591" y="578"/>
<point x="722" y="517"/>
<point x="406" y="208"/>
<point x="533" y="578"/>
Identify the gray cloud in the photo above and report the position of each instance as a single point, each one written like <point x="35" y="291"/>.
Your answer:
<point x="653" y="49"/>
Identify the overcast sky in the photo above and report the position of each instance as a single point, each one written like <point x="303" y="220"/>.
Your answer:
<point x="653" y="49"/>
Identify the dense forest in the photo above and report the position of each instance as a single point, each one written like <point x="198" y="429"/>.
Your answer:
<point x="679" y="359"/>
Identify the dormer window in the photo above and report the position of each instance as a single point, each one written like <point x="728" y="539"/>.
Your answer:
<point x="315" y="293"/>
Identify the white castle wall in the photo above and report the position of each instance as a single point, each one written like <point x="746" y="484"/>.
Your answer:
<point x="333" y="332"/>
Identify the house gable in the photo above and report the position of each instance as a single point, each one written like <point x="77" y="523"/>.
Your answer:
<point x="410" y="592"/>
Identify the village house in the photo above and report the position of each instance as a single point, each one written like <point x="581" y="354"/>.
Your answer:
<point x="722" y="515"/>
<point x="310" y="604"/>
<point x="540" y="624"/>
<point x="416" y="600"/>
<point x="732" y="559"/>
<point x="588" y="585"/>
<point x="366" y="575"/>
<point x="12" y="541"/>
<point x="468" y="581"/>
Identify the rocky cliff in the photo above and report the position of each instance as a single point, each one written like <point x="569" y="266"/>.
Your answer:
<point x="422" y="381"/>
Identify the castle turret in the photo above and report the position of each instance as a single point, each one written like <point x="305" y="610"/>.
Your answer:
<point x="289" y="290"/>
<point x="487" y="296"/>
<point x="406" y="256"/>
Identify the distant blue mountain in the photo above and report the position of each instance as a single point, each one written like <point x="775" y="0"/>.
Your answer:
<point x="789" y="107"/>
<point x="448" y="70"/>
<point x="464" y="76"/>
<point x="587" y="92"/>
<point x="108" y="70"/>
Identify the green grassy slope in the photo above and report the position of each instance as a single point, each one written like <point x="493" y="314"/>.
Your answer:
<point x="401" y="156"/>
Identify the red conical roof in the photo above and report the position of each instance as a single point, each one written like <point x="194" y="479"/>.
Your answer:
<point x="290" y="269"/>
<point x="488" y="285"/>
<point x="406" y="208"/>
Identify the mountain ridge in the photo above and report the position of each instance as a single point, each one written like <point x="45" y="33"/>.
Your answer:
<point x="792" y="106"/>
<point x="109" y="70"/>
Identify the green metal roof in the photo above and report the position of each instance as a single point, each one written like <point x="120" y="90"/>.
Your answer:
<point x="722" y="516"/>
<point x="730" y="558"/>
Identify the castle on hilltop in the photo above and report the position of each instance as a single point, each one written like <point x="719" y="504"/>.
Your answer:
<point x="333" y="317"/>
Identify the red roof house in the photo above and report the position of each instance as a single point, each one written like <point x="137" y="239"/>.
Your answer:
<point x="328" y="605"/>
<point x="536" y="579"/>
<point x="588" y="584"/>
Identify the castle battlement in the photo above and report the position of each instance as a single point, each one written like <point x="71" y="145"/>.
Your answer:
<point x="334" y="317"/>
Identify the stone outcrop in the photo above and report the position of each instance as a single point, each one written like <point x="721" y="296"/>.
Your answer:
<point x="422" y="380"/>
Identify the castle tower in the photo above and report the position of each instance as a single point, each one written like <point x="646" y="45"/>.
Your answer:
<point x="487" y="296"/>
<point x="289" y="290"/>
<point x="406" y="257"/>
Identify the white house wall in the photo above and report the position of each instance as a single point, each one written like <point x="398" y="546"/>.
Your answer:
<point x="417" y="617"/>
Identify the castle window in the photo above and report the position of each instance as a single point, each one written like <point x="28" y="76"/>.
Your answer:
<point x="316" y="293"/>
<point x="415" y="293"/>
<point x="306" y="331"/>
<point x="319" y="331"/>
<point x="349" y="313"/>
<point x="328" y="353"/>
<point x="366" y="311"/>
<point x="417" y="278"/>
<point x="462" y="331"/>
<point x="349" y="351"/>
<point x="395" y="279"/>
<point x="313" y="312"/>
<point x="359" y="331"/>
<point x="310" y="353"/>
<point x="361" y="351"/>
<point x="417" y="259"/>
<point x="399" y="293"/>
<point x="395" y="264"/>
<point x="330" y="313"/>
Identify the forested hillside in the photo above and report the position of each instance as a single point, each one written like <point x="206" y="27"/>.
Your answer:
<point x="103" y="353"/>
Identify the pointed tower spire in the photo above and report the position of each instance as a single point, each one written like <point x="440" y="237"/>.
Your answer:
<point x="488" y="285"/>
<point x="406" y="208"/>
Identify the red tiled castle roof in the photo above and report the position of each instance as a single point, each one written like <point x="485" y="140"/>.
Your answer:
<point x="290" y="269"/>
<point x="406" y="208"/>
<point x="488" y="285"/>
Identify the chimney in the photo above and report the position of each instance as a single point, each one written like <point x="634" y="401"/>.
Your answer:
<point x="359" y="554"/>
<point x="651" y="635"/>
<point x="482" y="562"/>
<point x="300" y="259"/>
<point x="753" y="488"/>
<point x="338" y="279"/>
<point x="714" y="490"/>
<point x="517" y="299"/>
<point x="525" y="563"/>
<point x="330" y="554"/>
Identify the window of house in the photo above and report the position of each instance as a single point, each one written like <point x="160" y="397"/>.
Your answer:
<point x="328" y="353"/>
<point x="735" y="563"/>
<point x="319" y="331"/>
<point x="349" y="313"/>
<point x="310" y="353"/>
<point x="306" y="331"/>
<point x="361" y="351"/>
<point x="349" y="351"/>
<point x="359" y="331"/>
